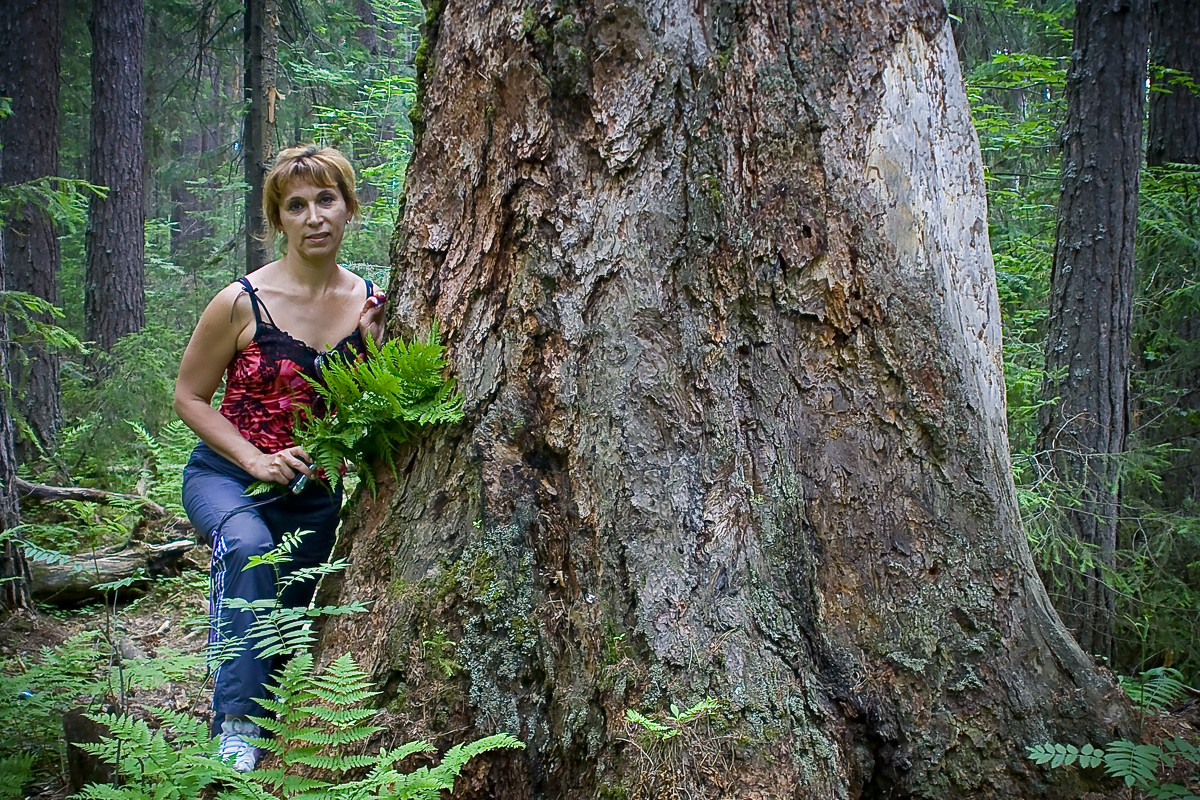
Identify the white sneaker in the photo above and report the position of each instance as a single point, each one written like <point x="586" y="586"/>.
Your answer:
<point x="235" y="743"/>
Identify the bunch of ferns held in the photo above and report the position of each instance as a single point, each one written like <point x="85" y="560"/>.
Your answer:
<point x="377" y="403"/>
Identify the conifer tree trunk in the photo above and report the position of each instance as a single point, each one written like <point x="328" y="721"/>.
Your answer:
<point x="188" y="225"/>
<point x="14" y="570"/>
<point x="29" y="75"/>
<point x="115" y="295"/>
<point x="258" y="141"/>
<point x="1173" y="137"/>
<point x="1174" y="132"/>
<point x="1090" y="322"/>
<point x="716" y="284"/>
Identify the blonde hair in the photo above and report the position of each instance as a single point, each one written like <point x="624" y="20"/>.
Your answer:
<point x="307" y="163"/>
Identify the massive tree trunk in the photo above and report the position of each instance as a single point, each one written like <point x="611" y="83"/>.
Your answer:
<point x="115" y="301"/>
<point x="258" y="141"/>
<point x="29" y="75"/>
<point x="716" y="283"/>
<point x="1174" y="132"/>
<point x="1091" y="303"/>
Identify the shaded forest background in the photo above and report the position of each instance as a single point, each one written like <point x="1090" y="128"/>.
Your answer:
<point x="345" y="74"/>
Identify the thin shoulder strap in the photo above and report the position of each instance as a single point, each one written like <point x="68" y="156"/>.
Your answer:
<point x="370" y="287"/>
<point x="256" y="304"/>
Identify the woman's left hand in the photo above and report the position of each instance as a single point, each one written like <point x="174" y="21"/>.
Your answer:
<point x="371" y="320"/>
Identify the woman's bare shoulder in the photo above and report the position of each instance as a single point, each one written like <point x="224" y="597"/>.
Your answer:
<point x="230" y="305"/>
<point x="354" y="283"/>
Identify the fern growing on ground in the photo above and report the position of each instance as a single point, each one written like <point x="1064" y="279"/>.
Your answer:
<point x="1155" y="690"/>
<point x="1138" y="765"/>
<point x="278" y="629"/>
<point x="319" y="718"/>
<point x="79" y="672"/>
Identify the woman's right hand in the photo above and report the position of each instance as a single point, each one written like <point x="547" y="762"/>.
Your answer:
<point x="282" y="466"/>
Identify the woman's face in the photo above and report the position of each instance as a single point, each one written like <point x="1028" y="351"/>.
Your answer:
<point x="314" y="219"/>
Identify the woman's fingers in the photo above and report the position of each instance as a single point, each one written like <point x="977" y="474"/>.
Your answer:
<point x="372" y="317"/>
<point x="294" y="460"/>
<point x="282" y="466"/>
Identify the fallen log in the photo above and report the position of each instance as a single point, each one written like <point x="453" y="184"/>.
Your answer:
<point x="83" y="576"/>
<point x="45" y="494"/>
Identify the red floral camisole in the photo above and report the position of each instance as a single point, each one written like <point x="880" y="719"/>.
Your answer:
<point x="265" y="389"/>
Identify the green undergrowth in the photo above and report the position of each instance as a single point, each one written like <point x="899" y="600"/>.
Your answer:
<point x="1168" y="769"/>
<point x="318" y="729"/>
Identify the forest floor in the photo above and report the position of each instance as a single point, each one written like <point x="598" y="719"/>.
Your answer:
<point x="168" y="618"/>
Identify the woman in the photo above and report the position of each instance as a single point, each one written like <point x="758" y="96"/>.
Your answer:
<point x="264" y="333"/>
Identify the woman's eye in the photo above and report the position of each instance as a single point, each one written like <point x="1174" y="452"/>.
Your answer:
<point x="294" y="207"/>
<point x="326" y="199"/>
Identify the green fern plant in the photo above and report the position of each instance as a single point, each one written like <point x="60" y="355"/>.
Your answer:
<point x="278" y="630"/>
<point x="79" y="672"/>
<point x="676" y="721"/>
<point x="316" y="716"/>
<point x="1155" y="690"/>
<point x="178" y="761"/>
<point x="1138" y="765"/>
<point x="15" y="772"/>
<point x="168" y="453"/>
<point x="319" y="718"/>
<point x="378" y="403"/>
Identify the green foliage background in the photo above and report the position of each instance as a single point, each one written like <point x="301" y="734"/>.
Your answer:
<point x="1015" y="57"/>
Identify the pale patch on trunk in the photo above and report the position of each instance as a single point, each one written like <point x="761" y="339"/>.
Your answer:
<point x="923" y="163"/>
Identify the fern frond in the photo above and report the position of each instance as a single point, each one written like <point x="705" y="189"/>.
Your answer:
<point x="1157" y="689"/>
<point x="657" y="728"/>
<point x="701" y="709"/>
<point x="379" y="402"/>
<point x="42" y="554"/>
<point x="1136" y="764"/>
<point x="15" y="772"/>
<point x="1057" y="754"/>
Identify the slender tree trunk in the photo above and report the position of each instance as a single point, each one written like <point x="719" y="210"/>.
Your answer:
<point x="189" y="228"/>
<point x="1088" y="341"/>
<point x="1174" y="138"/>
<point x="29" y="75"/>
<point x="1174" y="134"/>
<point x="258" y="141"/>
<point x="115" y="301"/>
<point x="367" y="34"/>
<point x="14" y="570"/>
<point x="716" y="283"/>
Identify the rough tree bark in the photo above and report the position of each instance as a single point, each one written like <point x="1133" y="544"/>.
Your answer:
<point x="1173" y="137"/>
<point x="115" y="294"/>
<point x="14" y="569"/>
<point x="258" y="141"/>
<point x="1091" y="303"/>
<point x="1174" y="130"/>
<point x="716" y="283"/>
<point x="29" y="75"/>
